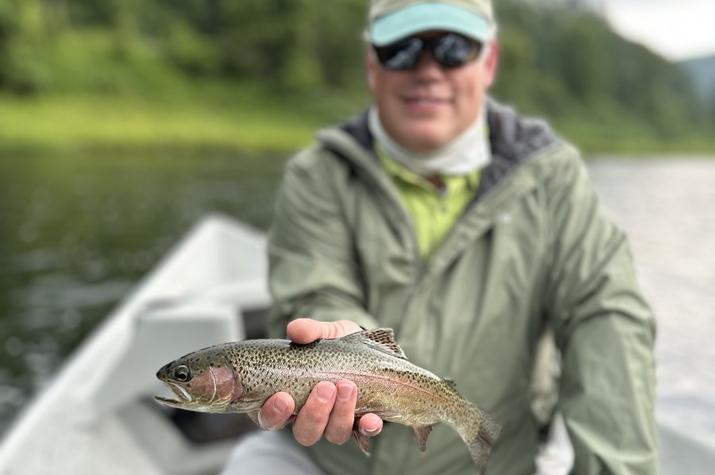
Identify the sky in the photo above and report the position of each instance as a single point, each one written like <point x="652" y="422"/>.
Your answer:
<point x="675" y="29"/>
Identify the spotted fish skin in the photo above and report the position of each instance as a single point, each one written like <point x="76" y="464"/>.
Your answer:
<point x="240" y="376"/>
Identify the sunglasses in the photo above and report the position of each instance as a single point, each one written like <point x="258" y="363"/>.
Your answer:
<point x="449" y="50"/>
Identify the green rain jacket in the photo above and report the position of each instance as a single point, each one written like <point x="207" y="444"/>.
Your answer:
<point x="533" y="252"/>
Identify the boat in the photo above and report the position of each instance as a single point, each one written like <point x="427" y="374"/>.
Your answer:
<point x="98" y="415"/>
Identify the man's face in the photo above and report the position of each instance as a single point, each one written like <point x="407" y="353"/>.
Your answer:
<point x="425" y="108"/>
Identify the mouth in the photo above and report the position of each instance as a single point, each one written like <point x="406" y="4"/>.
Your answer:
<point x="425" y="106"/>
<point x="426" y="100"/>
<point x="183" y="396"/>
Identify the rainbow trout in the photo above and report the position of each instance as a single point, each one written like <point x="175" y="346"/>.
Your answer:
<point x="240" y="376"/>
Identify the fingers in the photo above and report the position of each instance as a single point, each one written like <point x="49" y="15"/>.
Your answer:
<point x="313" y="418"/>
<point x="370" y="425"/>
<point x="306" y="330"/>
<point x="342" y="417"/>
<point x="276" y="411"/>
<point x="329" y="411"/>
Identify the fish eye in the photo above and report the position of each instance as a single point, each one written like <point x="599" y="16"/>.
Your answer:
<point x="182" y="373"/>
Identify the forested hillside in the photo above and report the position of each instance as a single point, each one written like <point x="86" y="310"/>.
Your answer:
<point x="565" y="64"/>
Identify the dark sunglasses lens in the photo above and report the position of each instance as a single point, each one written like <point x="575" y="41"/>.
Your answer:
<point x="453" y="51"/>
<point x="450" y="51"/>
<point x="401" y="55"/>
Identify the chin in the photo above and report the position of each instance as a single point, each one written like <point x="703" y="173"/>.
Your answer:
<point x="425" y="140"/>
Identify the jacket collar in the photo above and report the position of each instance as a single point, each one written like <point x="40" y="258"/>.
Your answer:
<point x="513" y="140"/>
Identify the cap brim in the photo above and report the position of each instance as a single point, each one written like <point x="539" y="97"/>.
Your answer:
<point x="426" y="17"/>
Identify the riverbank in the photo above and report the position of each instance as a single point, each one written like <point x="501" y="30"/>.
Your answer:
<point x="241" y="118"/>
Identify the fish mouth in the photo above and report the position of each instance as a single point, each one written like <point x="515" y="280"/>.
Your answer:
<point x="184" y="398"/>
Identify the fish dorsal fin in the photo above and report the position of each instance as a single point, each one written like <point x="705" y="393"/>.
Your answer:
<point x="382" y="339"/>
<point x="450" y="382"/>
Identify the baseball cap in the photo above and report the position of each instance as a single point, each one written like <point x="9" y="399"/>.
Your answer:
<point x="391" y="20"/>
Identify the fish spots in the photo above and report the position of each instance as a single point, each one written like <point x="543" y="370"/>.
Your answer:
<point x="238" y="377"/>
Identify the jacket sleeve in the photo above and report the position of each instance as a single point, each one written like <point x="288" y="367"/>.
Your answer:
<point x="313" y="267"/>
<point x="605" y="331"/>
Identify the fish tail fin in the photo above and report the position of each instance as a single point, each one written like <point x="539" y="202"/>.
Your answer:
<point x="479" y="434"/>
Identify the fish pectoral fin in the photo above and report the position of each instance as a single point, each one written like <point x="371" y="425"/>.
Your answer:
<point x="253" y="414"/>
<point x="421" y="434"/>
<point x="254" y="417"/>
<point x="363" y="441"/>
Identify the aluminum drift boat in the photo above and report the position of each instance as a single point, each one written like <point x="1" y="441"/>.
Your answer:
<point x="98" y="416"/>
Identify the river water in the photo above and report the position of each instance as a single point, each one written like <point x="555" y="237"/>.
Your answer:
<point x="667" y="207"/>
<point x="77" y="233"/>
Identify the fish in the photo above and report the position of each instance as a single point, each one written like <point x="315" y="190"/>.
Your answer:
<point x="238" y="377"/>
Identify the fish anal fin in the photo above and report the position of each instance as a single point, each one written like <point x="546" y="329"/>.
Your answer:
<point x="363" y="442"/>
<point x="380" y="338"/>
<point x="421" y="435"/>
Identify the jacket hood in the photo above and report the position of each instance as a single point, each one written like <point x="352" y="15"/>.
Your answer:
<point x="513" y="139"/>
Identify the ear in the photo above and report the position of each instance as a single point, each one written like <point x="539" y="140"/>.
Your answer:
<point x="491" y="62"/>
<point x="371" y="68"/>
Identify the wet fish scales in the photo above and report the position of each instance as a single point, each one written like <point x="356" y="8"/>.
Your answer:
<point x="240" y="376"/>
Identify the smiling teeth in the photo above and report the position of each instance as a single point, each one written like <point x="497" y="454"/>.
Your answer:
<point x="426" y="101"/>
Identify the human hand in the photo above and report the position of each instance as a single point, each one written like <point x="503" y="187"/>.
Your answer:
<point x="330" y="408"/>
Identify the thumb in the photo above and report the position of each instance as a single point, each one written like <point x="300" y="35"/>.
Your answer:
<point x="306" y="330"/>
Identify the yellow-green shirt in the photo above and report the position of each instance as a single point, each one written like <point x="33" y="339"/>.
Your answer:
<point x="433" y="211"/>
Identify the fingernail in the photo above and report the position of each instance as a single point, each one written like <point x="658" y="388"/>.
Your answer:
<point x="371" y="432"/>
<point x="262" y="423"/>
<point x="345" y="392"/>
<point x="325" y="392"/>
<point x="280" y="405"/>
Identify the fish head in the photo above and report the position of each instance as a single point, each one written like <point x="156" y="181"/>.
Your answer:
<point x="200" y="382"/>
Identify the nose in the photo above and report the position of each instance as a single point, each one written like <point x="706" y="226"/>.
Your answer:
<point x="162" y="371"/>
<point x="428" y="69"/>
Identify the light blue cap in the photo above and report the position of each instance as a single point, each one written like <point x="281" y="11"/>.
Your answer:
<point x="429" y="16"/>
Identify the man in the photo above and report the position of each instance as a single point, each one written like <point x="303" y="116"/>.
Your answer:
<point x="471" y="232"/>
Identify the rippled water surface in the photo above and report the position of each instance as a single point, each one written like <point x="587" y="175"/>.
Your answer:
<point x="77" y="233"/>
<point x="668" y="209"/>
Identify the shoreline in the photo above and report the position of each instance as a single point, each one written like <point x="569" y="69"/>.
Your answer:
<point x="238" y="119"/>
